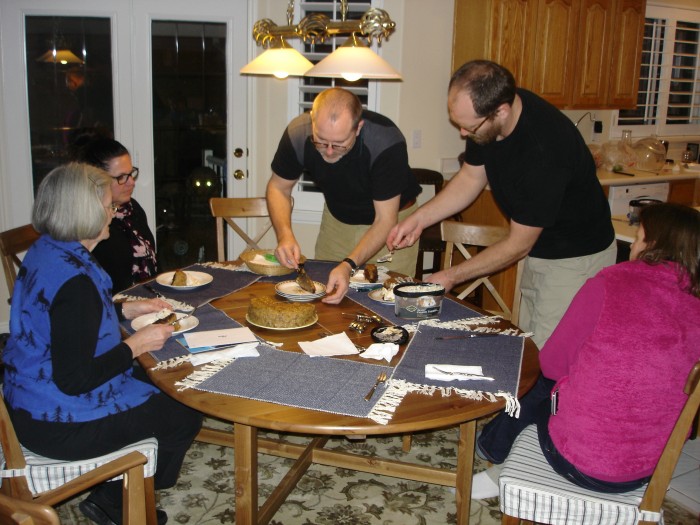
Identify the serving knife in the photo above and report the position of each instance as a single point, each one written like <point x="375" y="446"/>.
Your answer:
<point x="304" y="281"/>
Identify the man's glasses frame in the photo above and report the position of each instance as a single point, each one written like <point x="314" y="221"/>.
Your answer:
<point x="121" y="179"/>
<point x="473" y="131"/>
<point x="326" y="145"/>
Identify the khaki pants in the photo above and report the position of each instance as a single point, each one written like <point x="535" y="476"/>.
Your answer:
<point x="549" y="285"/>
<point x="336" y="240"/>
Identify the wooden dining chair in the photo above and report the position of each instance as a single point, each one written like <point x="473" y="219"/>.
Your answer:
<point x="12" y="243"/>
<point x="29" y="477"/>
<point x="430" y="241"/>
<point x="14" y="511"/>
<point x="530" y="490"/>
<point x="227" y="209"/>
<point x="461" y="235"/>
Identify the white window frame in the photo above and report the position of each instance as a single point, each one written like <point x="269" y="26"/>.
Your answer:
<point x="661" y="128"/>
<point x="308" y="206"/>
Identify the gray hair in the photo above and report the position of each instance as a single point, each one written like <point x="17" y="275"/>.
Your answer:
<point x="68" y="204"/>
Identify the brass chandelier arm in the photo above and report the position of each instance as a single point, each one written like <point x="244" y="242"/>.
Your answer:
<point x="317" y="27"/>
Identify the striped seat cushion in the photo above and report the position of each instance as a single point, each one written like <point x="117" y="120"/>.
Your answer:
<point x="531" y="490"/>
<point x="45" y="474"/>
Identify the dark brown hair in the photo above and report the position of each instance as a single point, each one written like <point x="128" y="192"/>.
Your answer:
<point x="672" y="233"/>
<point x="488" y="85"/>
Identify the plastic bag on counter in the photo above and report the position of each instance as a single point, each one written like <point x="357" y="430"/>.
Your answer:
<point x="618" y="155"/>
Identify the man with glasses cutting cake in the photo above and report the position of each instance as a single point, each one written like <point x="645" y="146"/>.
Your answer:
<point x="359" y="160"/>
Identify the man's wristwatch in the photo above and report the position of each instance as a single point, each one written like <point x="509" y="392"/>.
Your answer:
<point x="353" y="265"/>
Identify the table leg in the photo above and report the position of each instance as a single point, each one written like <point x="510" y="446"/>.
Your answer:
<point x="246" y="473"/>
<point x="465" y="467"/>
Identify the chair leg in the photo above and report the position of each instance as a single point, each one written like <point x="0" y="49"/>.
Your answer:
<point x="134" y="497"/>
<point x="406" y="443"/>
<point x="151" y="517"/>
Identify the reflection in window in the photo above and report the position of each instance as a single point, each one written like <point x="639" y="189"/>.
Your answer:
<point x="69" y="79"/>
<point x="189" y="137"/>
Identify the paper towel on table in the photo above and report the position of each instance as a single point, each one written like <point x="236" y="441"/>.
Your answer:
<point x="240" y="350"/>
<point x="454" y="372"/>
<point x="380" y="351"/>
<point x="338" y="344"/>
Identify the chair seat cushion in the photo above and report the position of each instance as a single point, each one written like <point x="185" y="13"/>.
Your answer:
<point x="531" y="490"/>
<point x="45" y="474"/>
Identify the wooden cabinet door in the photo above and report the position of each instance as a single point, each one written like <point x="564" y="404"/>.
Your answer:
<point x="555" y="50"/>
<point x="627" y="54"/>
<point x="593" y="59"/>
<point x="498" y="30"/>
<point x="513" y="26"/>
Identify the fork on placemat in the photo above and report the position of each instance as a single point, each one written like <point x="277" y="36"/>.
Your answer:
<point x="380" y="379"/>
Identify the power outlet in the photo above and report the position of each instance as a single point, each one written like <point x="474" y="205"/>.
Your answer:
<point x="598" y="126"/>
<point x="417" y="139"/>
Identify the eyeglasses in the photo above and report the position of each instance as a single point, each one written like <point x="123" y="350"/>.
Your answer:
<point x="326" y="145"/>
<point x="121" y="179"/>
<point x="473" y="132"/>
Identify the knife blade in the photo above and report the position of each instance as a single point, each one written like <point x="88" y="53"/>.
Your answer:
<point x="154" y="291"/>
<point x="465" y="336"/>
<point x="304" y="281"/>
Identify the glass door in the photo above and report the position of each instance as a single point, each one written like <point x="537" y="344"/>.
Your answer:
<point x="189" y="137"/>
<point x="193" y="94"/>
<point x="161" y="76"/>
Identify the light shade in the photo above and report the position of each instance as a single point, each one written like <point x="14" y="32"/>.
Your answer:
<point x="61" y="56"/>
<point x="280" y="61"/>
<point x="352" y="61"/>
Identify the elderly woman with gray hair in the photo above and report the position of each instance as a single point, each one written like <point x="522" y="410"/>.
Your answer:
<point x="71" y="386"/>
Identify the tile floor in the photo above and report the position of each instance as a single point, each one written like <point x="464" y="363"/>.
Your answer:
<point x="685" y="484"/>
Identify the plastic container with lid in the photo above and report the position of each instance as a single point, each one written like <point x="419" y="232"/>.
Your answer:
<point x="418" y="300"/>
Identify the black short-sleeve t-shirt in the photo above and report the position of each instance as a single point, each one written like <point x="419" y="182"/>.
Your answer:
<point x="543" y="175"/>
<point x="376" y="168"/>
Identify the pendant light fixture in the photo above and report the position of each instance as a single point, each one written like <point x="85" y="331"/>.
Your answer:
<point x="352" y="61"/>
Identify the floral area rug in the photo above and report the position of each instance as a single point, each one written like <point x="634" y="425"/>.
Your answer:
<point x="329" y="495"/>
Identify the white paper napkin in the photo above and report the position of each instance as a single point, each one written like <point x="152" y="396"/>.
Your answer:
<point x="454" y="372"/>
<point x="242" y="350"/>
<point x="338" y="344"/>
<point x="380" y="351"/>
<point x="227" y="336"/>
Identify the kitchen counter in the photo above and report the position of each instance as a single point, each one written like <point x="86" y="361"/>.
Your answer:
<point x="609" y="178"/>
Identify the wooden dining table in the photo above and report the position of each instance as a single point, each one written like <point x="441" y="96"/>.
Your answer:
<point x="417" y="412"/>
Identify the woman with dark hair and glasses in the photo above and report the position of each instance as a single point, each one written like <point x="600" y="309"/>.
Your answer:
<point x="129" y="255"/>
<point x="614" y="369"/>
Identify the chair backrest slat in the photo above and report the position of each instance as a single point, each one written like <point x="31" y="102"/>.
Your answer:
<point x="13" y="242"/>
<point x="227" y="209"/>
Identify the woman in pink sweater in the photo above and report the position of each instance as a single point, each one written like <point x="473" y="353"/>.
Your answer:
<point x="615" y="367"/>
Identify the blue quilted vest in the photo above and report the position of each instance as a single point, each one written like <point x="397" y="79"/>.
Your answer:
<point x="29" y="384"/>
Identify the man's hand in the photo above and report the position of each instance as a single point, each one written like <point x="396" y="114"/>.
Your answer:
<point x="288" y="253"/>
<point x="338" y="283"/>
<point x="405" y="233"/>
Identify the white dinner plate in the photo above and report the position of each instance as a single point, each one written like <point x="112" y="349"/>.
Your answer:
<point x="376" y="295"/>
<point x="194" y="280"/>
<point x="292" y="291"/>
<point x="358" y="281"/>
<point x="146" y="319"/>
<point x="274" y="328"/>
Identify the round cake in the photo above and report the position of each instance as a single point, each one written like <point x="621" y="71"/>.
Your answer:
<point x="272" y="313"/>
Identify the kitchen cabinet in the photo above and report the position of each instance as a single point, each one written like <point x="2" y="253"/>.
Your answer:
<point x="573" y="53"/>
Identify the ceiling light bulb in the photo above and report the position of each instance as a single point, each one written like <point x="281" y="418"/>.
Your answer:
<point x="351" y="77"/>
<point x="281" y="74"/>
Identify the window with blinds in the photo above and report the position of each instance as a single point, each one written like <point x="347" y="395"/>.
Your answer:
<point x="668" y="101"/>
<point x="308" y="201"/>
